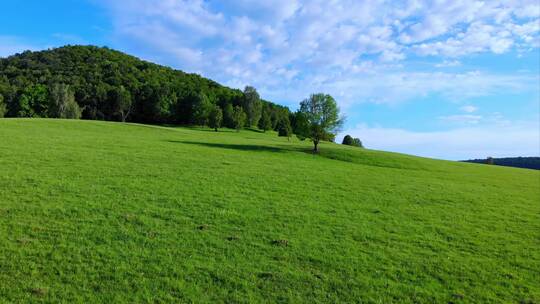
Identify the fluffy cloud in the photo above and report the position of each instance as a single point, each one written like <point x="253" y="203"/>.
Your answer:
<point x="462" y="118"/>
<point x="383" y="86"/>
<point x="317" y="45"/>
<point x="468" y="109"/>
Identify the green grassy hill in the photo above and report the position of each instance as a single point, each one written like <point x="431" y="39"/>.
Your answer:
<point x="110" y="212"/>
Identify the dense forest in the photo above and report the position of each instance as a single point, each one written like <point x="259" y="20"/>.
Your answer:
<point x="518" y="162"/>
<point x="99" y="83"/>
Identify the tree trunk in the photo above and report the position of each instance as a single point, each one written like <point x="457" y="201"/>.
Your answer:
<point x="215" y="129"/>
<point x="316" y="146"/>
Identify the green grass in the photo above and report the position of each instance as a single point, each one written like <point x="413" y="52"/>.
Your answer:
<point x="109" y="212"/>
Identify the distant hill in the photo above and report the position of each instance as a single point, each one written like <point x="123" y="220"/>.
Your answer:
<point x="101" y="79"/>
<point x="518" y="162"/>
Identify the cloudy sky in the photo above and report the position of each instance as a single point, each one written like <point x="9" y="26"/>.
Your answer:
<point x="448" y="79"/>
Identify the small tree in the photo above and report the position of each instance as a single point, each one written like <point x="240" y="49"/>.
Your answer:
<point x="347" y="140"/>
<point x="274" y="117"/>
<point x="228" y="116"/>
<point x="350" y="141"/>
<point x="357" y="143"/>
<point x="123" y="102"/>
<point x="72" y="111"/>
<point x="284" y="128"/>
<point x="252" y="105"/>
<point x="215" y="118"/>
<point x="62" y="103"/>
<point x="321" y="118"/>
<point x="266" y="121"/>
<point x="239" y="118"/>
<point x="201" y="109"/>
<point x="33" y="101"/>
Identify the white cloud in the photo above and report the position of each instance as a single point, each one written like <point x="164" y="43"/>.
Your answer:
<point x="393" y="87"/>
<point x="478" y="37"/>
<point x="468" y="109"/>
<point x="326" y="45"/>
<point x="448" y="63"/>
<point x="462" y="118"/>
<point x="439" y="18"/>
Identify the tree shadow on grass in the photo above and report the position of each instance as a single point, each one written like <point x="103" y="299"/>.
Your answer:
<point x="221" y="130"/>
<point x="254" y="130"/>
<point x="374" y="160"/>
<point x="328" y="153"/>
<point x="232" y="146"/>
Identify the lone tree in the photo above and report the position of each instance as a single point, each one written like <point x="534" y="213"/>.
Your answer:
<point x="215" y="118"/>
<point x="239" y="118"/>
<point x="252" y="105"/>
<point x="321" y="119"/>
<point x="357" y="143"/>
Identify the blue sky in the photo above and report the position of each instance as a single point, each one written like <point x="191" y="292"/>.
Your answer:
<point x="445" y="79"/>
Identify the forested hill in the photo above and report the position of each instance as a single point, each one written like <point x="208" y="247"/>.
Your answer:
<point x="110" y="85"/>
<point x="518" y="162"/>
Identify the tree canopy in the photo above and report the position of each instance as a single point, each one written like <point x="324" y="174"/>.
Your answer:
<point x="110" y="85"/>
<point x="252" y="106"/>
<point x="318" y="119"/>
<point x="215" y="118"/>
<point x="239" y="118"/>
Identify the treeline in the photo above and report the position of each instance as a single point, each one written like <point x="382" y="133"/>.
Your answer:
<point x="518" y="162"/>
<point x="99" y="83"/>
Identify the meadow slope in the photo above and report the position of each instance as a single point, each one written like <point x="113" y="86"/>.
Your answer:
<point x="108" y="212"/>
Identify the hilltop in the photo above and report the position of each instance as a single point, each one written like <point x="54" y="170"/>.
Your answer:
<point x="110" y="85"/>
<point x="109" y="212"/>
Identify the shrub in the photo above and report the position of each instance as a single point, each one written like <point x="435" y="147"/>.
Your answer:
<point x="350" y="141"/>
<point x="215" y="118"/>
<point x="284" y="127"/>
<point x="347" y="140"/>
<point x="239" y="118"/>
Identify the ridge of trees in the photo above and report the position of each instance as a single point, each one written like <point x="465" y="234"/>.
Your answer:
<point x="104" y="84"/>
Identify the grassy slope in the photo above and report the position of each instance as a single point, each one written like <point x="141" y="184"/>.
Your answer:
<point x="97" y="211"/>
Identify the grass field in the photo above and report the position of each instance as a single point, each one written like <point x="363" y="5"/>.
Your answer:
<point x="108" y="212"/>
